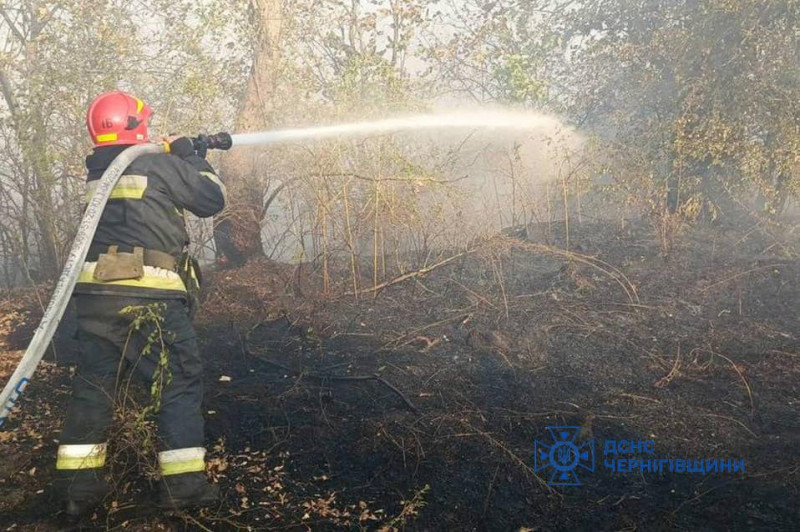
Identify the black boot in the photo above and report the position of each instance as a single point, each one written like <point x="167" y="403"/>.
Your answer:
<point x="187" y="490"/>
<point x="80" y="491"/>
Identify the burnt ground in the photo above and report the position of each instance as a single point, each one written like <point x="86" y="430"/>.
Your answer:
<point x="418" y="408"/>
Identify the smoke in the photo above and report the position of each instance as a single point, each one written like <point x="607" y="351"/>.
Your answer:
<point x="479" y="172"/>
<point x="511" y="174"/>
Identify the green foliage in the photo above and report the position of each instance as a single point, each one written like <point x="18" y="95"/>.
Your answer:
<point x="187" y="59"/>
<point x="411" y="510"/>
<point x="515" y="76"/>
<point x="692" y="100"/>
<point x="700" y="97"/>
<point x="497" y="51"/>
<point x="136" y="425"/>
<point x="149" y="320"/>
<point x="341" y="58"/>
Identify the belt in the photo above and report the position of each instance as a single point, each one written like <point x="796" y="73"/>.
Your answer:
<point x="152" y="257"/>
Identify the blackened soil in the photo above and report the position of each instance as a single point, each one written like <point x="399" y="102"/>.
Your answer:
<point x="418" y="408"/>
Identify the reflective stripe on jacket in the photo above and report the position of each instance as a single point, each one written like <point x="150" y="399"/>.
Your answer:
<point x="145" y="209"/>
<point x="168" y="283"/>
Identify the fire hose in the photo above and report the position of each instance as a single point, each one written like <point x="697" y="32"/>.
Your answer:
<point x="223" y="141"/>
<point x="77" y="255"/>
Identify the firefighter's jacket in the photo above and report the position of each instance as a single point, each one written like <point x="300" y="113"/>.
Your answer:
<point x="145" y="210"/>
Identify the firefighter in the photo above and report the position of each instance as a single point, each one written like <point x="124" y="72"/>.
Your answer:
<point x="137" y="259"/>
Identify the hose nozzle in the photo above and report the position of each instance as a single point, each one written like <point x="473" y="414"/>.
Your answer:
<point x="218" y="141"/>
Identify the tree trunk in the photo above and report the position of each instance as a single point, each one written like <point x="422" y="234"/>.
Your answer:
<point x="238" y="235"/>
<point x="49" y="260"/>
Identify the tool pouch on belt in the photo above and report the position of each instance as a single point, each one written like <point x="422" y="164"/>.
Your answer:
<point x="115" y="266"/>
<point x="189" y="270"/>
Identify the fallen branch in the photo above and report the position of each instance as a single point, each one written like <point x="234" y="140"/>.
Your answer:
<point x="414" y="335"/>
<point x="400" y="394"/>
<point x="412" y="275"/>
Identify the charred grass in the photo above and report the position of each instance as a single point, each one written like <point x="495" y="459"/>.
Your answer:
<point x="418" y="406"/>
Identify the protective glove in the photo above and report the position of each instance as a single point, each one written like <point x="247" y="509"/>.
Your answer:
<point x="201" y="145"/>
<point x="180" y="146"/>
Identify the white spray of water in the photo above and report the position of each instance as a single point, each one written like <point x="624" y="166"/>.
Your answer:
<point x="485" y="120"/>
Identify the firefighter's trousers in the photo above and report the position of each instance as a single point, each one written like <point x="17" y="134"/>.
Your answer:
<point x="112" y="355"/>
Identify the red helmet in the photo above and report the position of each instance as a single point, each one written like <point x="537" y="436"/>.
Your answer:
<point x="117" y="118"/>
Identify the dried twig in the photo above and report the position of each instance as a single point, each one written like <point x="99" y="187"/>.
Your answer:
<point x="489" y="491"/>
<point x="741" y="274"/>
<point x="412" y="275"/>
<point x="511" y="454"/>
<point x="413" y="336"/>
<point x="745" y="427"/>
<point x="674" y="372"/>
<point x="338" y="378"/>
<point x="611" y="271"/>
<point x="739" y="372"/>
